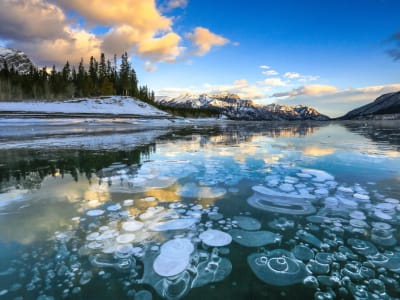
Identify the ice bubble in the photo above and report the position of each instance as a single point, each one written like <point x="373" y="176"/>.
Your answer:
<point x="174" y="287"/>
<point x="214" y="269"/>
<point x="114" y="207"/>
<point x="92" y="236"/>
<point x="284" y="205"/>
<point x="281" y="224"/>
<point x="215" y="238"/>
<point x="264" y="191"/>
<point x="128" y="202"/>
<point x="381" y="225"/>
<point x="178" y="224"/>
<point x="95" y="212"/>
<point x="132" y="226"/>
<point x="383" y="237"/>
<point x="170" y="266"/>
<point x="330" y="281"/>
<point x="324" y="257"/>
<point x="247" y="223"/>
<point x="356" y="214"/>
<point x="318" y="175"/>
<point x="303" y="175"/>
<point x="357" y="272"/>
<point x="347" y="202"/>
<point x="85" y="277"/>
<point x="358" y="223"/>
<point x="3" y="292"/>
<point x="362" y="247"/>
<point x="331" y="201"/>
<point x="94" y="245"/>
<point x="177" y="248"/>
<point x="321" y="192"/>
<point x="317" y="267"/>
<point x="323" y="295"/>
<point x="382" y="215"/>
<point x="310" y="238"/>
<point x="125" y="238"/>
<point x="362" y="197"/>
<point x="254" y="238"/>
<point x="286" y="187"/>
<point x="277" y="267"/>
<point x="347" y="190"/>
<point x="303" y="253"/>
<point x="311" y="282"/>
<point x="215" y="216"/>
<point x="392" y="200"/>
<point x="317" y="219"/>
<point x="191" y="190"/>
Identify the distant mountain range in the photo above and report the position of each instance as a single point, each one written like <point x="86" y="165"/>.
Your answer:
<point x="386" y="106"/>
<point x="15" y="58"/>
<point x="231" y="106"/>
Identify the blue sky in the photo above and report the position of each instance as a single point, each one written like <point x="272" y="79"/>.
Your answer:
<point x="331" y="55"/>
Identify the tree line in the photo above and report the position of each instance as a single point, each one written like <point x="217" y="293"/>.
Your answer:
<point x="100" y="78"/>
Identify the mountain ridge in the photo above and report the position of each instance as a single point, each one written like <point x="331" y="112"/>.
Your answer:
<point x="16" y="59"/>
<point x="384" y="105"/>
<point x="233" y="107"/>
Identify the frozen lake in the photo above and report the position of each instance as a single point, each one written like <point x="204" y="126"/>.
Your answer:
<point x="117" y="209"/>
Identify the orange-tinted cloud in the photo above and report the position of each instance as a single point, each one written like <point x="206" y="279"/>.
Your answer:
<point x="203" y="39"/>
<point x="313" y="89"/>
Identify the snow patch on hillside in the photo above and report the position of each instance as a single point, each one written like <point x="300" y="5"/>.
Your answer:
<point x="114" y="105"/>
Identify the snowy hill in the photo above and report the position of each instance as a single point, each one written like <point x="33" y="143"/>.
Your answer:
<point x="15" y="58"/>
<point x="235" y="108"/>
<point x="387" y="105"/>
<point x="113" y="105"/>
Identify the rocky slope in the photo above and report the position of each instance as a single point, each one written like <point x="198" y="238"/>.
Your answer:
<point x="235" y="108"/>
<point x="387" y="104"/>
<point x="18" y="59"/>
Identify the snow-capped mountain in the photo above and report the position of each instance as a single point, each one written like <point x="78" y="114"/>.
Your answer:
<point x="18" y="59"/>
<point x="235" y="108"/>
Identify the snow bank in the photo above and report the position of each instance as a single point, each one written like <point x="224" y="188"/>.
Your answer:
<point x="105" y="105"/>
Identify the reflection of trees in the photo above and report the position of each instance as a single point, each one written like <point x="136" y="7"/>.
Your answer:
<point x="383" y="132"/>
<point x="28" y="165"/>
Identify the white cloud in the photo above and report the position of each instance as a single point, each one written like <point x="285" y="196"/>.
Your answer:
<point x="265" y="67"/>
<point x="203" y="39"/>
<point x="292" y="75"/>
<point x="314" y="89"/>
<point x="239" y="87"/>
<point x="173" y="4"/>
<point x="272" y="82"/>
<point x="240" y="82"/>
<point x="270" y="73"/>
<point x="149" y="66"/>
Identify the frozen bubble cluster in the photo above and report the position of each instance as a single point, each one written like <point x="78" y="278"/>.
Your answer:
<point x="277" y="267"/>
<point x="299" y="230"/>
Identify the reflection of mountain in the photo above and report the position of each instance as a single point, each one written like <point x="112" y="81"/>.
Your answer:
<point x="383" y="132"/>
<point x="239" y="133"/>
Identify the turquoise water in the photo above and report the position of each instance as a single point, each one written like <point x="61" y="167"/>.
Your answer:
<point x="227" y="210"/>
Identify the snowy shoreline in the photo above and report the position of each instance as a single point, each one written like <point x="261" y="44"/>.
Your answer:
<point x="108" y="107"/>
